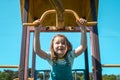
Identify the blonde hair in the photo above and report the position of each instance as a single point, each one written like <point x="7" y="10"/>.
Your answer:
<point x="54" y="57"/>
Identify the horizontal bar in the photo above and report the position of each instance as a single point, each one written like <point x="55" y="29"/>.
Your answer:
<point x="53" y="29"/>
<point x="88" y="24"/>
<point x="111" y="65"/>
<point x="50" y="70"/>
<point x="41" y="18"/>
<point x="9" y="66"/>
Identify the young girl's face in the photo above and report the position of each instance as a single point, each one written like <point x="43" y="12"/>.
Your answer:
<point x="60" y="46"/>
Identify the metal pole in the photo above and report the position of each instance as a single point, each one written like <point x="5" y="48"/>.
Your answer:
<point x="33" y="65"/>
<point x="75" y="75"/>
<point x="97" y="71"/>
<point x="86" y="65"/>
<point x="23" y="61"/>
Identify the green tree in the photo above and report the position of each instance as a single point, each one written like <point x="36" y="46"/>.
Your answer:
<point x="8" y="75"/>
<point x="4" y="76"/>
<point x="109" y="77"/>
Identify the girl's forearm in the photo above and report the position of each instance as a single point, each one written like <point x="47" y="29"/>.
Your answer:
<point x="84" y="40"/>
<point x="37" y="47"/>
<point x="36" y="42"/>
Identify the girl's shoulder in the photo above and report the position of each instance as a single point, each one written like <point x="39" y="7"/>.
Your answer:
<point x="49" y="59"/>
<point x="71" y="54"/>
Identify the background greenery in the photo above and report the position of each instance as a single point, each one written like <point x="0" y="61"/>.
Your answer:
<point x="10" y="75"/>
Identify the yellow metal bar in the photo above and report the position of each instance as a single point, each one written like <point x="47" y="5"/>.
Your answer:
<point x="41" y="18"/>
<point x="111" y="65"/>
<point x="73" y="12"/>
<point x="89" y="24"/>
<point x="77" y="17"/>
<point x="9" y="66"/>
<point x="57" y="4"/>
<point x="53" y="11"/>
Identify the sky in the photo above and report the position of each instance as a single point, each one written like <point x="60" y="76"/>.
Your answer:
<point x="108" y="29"/>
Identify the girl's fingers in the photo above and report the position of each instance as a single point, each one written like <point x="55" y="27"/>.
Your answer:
<point x="82" y="21"/>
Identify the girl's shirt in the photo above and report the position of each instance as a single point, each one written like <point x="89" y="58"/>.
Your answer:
<point x="70" y="56"/>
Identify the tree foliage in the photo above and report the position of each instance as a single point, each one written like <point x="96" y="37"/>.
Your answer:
<point x="10" y="75"/>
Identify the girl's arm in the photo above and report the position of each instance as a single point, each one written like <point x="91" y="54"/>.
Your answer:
<point x="37" y="48"/>
<point x="83" y="45"/>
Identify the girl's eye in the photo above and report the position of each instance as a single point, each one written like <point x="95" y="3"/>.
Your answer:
<point x="63" y="43"/>
<point x="57" y="42"/>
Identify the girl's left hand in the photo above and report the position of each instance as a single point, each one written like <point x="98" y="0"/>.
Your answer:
<point x="82" y="22"/>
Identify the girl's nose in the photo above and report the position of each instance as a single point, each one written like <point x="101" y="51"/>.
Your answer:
<point x="60" y="44"/>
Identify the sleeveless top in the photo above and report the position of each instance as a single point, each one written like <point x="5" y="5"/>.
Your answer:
<point x="62" y="69"/>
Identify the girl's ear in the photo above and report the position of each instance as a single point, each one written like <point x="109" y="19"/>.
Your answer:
<point x="69" y="48"/>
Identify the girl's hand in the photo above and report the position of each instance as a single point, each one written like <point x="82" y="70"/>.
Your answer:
<point x="36" y="22"/>
<point x="82" y="22"/>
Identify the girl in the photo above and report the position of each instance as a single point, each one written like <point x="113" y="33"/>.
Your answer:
<point x="62" y="56"/>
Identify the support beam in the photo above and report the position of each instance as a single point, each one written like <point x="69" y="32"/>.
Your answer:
<point x="57" y="4"/>
<point x="52" y="29"/>
<point x="86" y="65"/>
<point x="97" y="71"/>
<point x="33" y="75"/>
<point x="24" y="45"/>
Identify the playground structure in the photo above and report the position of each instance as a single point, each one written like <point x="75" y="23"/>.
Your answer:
<point x="33" y="9"/>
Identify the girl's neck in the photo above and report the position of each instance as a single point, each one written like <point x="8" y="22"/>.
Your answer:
<point x="61" y="58"/>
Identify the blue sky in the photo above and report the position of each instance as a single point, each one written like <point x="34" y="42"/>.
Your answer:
<point x="108" y="28"/>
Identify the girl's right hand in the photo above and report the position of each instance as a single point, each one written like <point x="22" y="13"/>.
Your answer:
<point x="37" y="22"/>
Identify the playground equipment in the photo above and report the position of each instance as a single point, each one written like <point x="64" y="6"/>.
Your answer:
<point x="54" y="11"/>
<point x="9" y="66"/>
<point x="33" y="9"/>
<point x="110" y="65"/>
